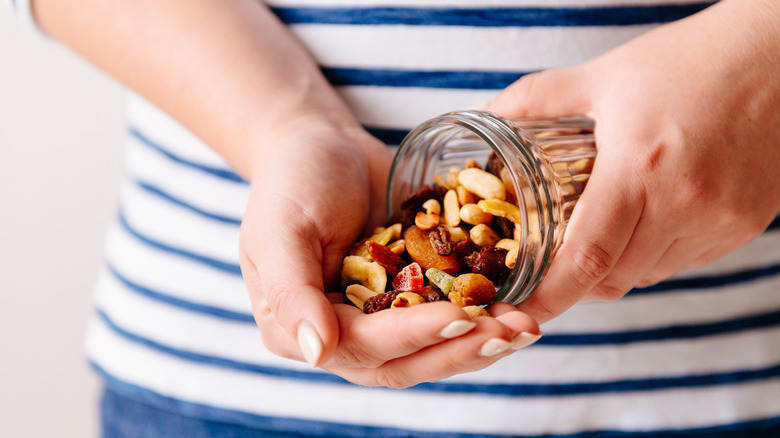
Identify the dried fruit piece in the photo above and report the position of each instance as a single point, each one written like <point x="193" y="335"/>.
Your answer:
<point x="409" y="279"/>
<point x="385" y="257"/>
<point x="440" y="239"/>
<point x="432" y="295"/>
<point x="407" y="299"/>
<point x="356" y="269"/>
<point x="472" y="290"/>
<point x="483" y="184"/>
<point x="500" y="208"/>
<point x="491" y="263"/>
<point x="419" y="247"/>
<point x="440" y="279"/>
<point x="380" y="302"/>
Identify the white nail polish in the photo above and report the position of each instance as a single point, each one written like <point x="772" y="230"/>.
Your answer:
<point x="493" y="347"/>
<point x="524" y="339"/>
<point x="310" y="343"/>
<point x="457" y="328"/>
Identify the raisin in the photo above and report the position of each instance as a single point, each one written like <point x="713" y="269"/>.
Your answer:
<point x="415" y="201"/>
<point x="385" y="257"/>
<point x="494" y="165"/>
<point x="440" y="239"/>
<point x="491" y="263"/>
<point x="431" y="295"/>
<point x="380" y="302"/>
<point x="504" y="227"/>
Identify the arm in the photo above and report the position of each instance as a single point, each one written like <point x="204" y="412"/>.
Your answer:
<point x="231" y="73"/>
<point x="688" y="127"/>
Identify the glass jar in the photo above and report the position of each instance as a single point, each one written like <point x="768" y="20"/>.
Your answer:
<point x="547" y="162"/>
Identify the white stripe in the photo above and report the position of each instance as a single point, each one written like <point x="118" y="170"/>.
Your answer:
<point x="169" y="133"/>
<point x="257" y="394"/>
<point x="211" y="336"/>
<point x="172" y="275"/>
<point x="172" y="225"/>
<point x="670" y="308"/>
<point x="408" y="107"/>
<point x="195" y="187"/>
<point x="471" y="3"/>
<point x="457" y="48"/>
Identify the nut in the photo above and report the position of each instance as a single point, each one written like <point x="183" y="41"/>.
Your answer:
<point x="358" y="294"/>
<point x="432" y="206"/>
<point x="511" y="257"/>
<point x="473" y="215"/>
<point x="464" y="196"/>
<point x="452" y="176"/>
<point x="426" y="221"/>
<point x="483" y="236"/>
<point x="440" y="181"/>
<point x="456" y="234"/>
<point x="483" y="184"/>
<point x="407" y="299"/>
<point x="451" y="209"/>
<point x="508" y="244"/>
<point x="472" y="289"/>
<point x="501" y="208"/>
<point x="398" y="247"/>
<point x="475" y="311"/>
<point x="356" y="269"/>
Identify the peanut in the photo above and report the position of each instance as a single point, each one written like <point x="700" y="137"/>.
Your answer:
<point x="483" y="184"/>
<point x="451" y="209"/>
<point x="473" y="215"/>
<point x="464" y="196"/>
<point x="358" y="294"/>
<point x="483" y="236"/>
<point x="407" y="299"/>
<point x="475" y="311"/>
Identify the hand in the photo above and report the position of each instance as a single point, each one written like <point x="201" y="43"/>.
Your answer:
<point x="310" y="199"/>
<point x="687" y="130"/>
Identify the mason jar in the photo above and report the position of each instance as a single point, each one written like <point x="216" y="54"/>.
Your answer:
<point x="547" y="164"/>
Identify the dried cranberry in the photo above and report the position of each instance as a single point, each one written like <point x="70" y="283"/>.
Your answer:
<point x="491" y="263"/>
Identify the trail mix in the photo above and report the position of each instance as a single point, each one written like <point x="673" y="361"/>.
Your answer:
<point x="456" y="240"/>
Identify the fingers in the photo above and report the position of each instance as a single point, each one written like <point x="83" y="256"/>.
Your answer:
<point x="489" y="340"/>
<point x="551" y="93"/>
<point x="600" y="229"/>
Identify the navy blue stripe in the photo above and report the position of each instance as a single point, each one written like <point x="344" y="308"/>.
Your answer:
<point x="775" y="224"/>
<point x="752" y="322"/>
<point x="510" y="390"/>
<point x="166" y="298"/>
<point x="231" y="268"/>
<point x="160" y="406"/>
<point x="154" y="190"/>
<point x="390" y="137"/>
<point x="709" y="282"/>
<point x="491" y="17"/>
<point x="218" y="172"/>
<point x="471" y="80"/>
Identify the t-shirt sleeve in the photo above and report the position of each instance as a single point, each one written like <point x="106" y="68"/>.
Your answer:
<point x="23" y="10"/>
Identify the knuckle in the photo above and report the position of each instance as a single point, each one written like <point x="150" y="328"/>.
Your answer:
<point x="392" y="378"/>
<point x="608" y="292"/>
<point x="591" y="264"/>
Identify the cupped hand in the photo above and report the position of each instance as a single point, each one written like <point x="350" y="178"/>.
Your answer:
<point x="687" y="131"/>
<point x="313" y="193"/>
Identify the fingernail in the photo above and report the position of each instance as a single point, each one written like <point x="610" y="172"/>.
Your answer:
<point x="524" y="339"/>
<point x="457" y="328"/>
<point x="310" y="343"/>
<point x="493" y="347"/>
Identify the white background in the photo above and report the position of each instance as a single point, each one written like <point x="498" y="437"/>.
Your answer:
<point x="61" y="128"/>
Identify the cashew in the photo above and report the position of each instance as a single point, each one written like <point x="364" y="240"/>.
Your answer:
<point x="432" y="206"/>
<point x="483" y="236"/>
<point x="483" y="184"/>
<point x="511" y="257"/>
<point x="507" y="244"/>
<point x="475" y="311"/>
<point x="501" y="208"/>
<point x="426" y="221"/>
<point x="472" y="215"/>
<point x="356" y="269"/>
<point x="407" y="299"/>
<point x="451" y="209"/>
<point x="358" y="294"/>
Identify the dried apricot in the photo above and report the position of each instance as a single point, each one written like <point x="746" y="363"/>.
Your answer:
<point x="420" y="249"/>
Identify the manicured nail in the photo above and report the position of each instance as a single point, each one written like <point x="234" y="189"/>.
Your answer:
<point x="310" y="343"/>
<point x="457" y="328"/>
<point x="524" y="339"/>
<point x="493" y="347"/>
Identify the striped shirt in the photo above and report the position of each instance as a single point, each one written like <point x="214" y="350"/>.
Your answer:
<point x="173" y="328"/>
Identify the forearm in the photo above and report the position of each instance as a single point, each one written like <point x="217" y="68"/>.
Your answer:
<point x="226" y="69"/>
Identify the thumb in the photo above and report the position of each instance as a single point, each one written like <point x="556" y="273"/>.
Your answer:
<point x="550" y="93"/>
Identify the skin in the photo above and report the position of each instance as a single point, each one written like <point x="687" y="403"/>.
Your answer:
<point x="719" y="75"/>
<point x="687" y="128"/>
<point x="234" y="76"/>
